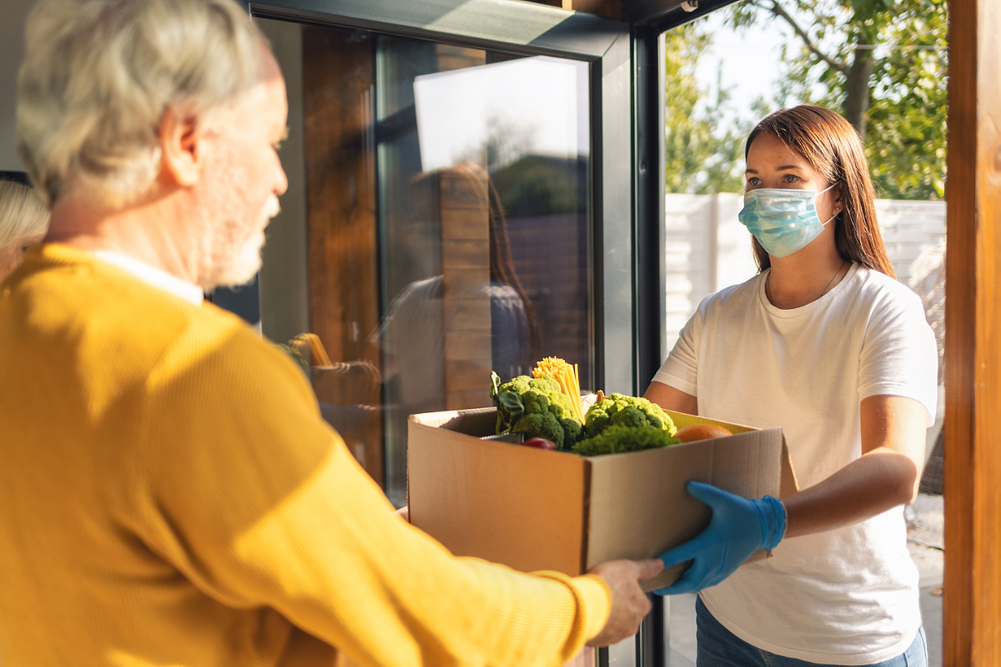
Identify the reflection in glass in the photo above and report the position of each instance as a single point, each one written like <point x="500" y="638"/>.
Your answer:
<point x="447" y="215"/>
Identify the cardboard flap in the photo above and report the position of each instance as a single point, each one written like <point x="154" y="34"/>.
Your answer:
<point x="477" y="422"/>
<point x="790" y="484"/>
<point x="639" y="505"/>
<point x="489" y="499"/>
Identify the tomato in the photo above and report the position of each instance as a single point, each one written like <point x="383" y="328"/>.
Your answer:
<point x="695" y="432"/>
<point x="540" y="443"/>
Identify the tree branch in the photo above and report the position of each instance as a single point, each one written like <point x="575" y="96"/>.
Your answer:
<point x="777" y="10"/>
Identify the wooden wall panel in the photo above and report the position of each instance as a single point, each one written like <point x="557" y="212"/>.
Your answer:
<point x="465" y="262"/>
<point x="972" y="607"/>
<point x="343" y="280"/>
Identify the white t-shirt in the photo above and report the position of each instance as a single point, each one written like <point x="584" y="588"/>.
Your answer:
<point x="847" y="596"/>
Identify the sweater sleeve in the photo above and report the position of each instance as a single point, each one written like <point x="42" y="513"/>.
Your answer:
<point x="257" y="502"/>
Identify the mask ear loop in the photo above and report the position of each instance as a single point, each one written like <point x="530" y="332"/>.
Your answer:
<point x="837" y="213"/>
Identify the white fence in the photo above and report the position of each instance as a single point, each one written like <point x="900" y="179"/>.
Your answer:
<point x="708" y="249"/>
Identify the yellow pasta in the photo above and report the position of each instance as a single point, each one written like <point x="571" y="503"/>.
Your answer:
<point x="566" y="376"/>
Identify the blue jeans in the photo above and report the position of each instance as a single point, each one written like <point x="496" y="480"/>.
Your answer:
<point x="718" y="647"/>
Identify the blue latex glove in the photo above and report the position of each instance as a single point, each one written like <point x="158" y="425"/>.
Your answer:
<point x="738" y="528"/>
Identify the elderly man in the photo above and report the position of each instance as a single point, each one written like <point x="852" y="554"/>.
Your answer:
<point x="170" y="494"/>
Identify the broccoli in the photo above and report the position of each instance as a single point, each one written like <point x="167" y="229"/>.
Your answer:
<point x="540" y="425"/>
<point x="535" y="407"/>
<point x="615" y="439"/>
<point x="572" y="430"/>
<point x="629" y="411"/>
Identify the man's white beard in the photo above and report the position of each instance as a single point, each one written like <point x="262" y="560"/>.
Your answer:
<point x="240" y="267"/>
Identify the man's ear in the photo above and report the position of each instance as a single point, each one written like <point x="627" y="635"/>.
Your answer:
<point x="181" y="149"/>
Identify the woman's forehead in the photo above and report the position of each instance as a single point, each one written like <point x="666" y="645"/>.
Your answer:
<point x="769" y="153"/>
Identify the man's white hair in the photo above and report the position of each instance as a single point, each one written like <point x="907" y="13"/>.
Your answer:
<point x="98" y="75"/>
<point x="22" y="213"/>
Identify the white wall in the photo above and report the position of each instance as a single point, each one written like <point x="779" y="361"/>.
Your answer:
<point x="14" y="13"/>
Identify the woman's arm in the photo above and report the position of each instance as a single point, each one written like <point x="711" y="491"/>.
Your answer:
<point x="884" y="477"/>
<point x="887" y="474"/>
<point x="670" y="398"/>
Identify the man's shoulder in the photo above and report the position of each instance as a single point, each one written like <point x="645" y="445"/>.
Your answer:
<point x="91" y="293"/>
<point x="75" y="299"/>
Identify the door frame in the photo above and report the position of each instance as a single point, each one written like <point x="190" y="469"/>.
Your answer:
<point x="532" y="29"/>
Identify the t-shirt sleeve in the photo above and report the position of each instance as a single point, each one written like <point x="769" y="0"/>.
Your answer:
<point x="258" y="503"/>
<point x="681" y="369"/>
<point x="899" y="356"/>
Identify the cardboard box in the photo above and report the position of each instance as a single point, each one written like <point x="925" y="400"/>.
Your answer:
<point x="534" y="509"/>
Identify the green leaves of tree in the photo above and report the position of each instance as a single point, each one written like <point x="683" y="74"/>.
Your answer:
<point x="905" y="112"/>
<point x="702" y="155"/>
<point x="905" y="124"/>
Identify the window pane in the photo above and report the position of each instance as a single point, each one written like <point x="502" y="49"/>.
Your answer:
<point x="447" y="219"/>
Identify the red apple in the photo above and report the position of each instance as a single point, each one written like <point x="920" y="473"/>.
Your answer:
<point x="540" y="443"/>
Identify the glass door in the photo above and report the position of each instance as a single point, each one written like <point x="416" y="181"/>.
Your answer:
<point x="483" y="212"/>
<point x="460" y="200"/>
<point x="450" y="210"/>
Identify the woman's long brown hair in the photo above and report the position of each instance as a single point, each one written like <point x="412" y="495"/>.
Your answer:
<point x="501" y="265"/>
<point x="833" y="148"/>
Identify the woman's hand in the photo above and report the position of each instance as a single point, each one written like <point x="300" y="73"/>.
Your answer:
<point x="738" y="528"/>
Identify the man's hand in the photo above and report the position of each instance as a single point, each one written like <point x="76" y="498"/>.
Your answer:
<point x="629" y="602"/>
<point x="738" y="528"/>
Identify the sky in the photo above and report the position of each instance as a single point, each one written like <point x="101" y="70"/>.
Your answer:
<point x="749" y="59"/>
<point x="546" y="97"/>
<point x="542" y="100"/>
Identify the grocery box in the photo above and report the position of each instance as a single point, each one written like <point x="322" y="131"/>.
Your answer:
<point x="534" y="509"/>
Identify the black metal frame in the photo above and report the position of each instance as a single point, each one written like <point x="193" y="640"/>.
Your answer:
<point x="661" y="15"/>
<point x="652" y="641"/>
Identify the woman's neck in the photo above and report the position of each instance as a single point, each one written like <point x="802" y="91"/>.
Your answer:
<point x="803" y="278"/>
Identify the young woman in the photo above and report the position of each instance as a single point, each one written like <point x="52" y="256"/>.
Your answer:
<point x="826" y="344"/>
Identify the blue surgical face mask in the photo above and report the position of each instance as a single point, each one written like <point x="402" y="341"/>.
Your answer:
<point x="783" y="221"/>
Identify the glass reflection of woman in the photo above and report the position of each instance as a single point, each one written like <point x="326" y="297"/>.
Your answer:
<point x="516" y="340"/>
<point x="826" y="344"/>
<point x="412" y="334"/>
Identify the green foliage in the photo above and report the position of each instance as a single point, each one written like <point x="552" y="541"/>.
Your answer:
<point x="535" y="407"/>
<point x="891" y="56"/>
<point x="536" y="185"/>
<point x="700" y="156"/>
<point x="907" y="119"/>
<point x="616" y="439"/>
<point x="626" y="411"/>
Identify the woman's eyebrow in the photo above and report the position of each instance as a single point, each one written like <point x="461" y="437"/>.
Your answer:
<point x="783" y="167"/>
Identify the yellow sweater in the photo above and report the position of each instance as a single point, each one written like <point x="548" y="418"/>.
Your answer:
<point x="169" y="495"/>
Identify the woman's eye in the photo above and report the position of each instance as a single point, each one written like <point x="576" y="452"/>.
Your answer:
<point x="791" y="178"/>
<point x="753" y="181"/>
